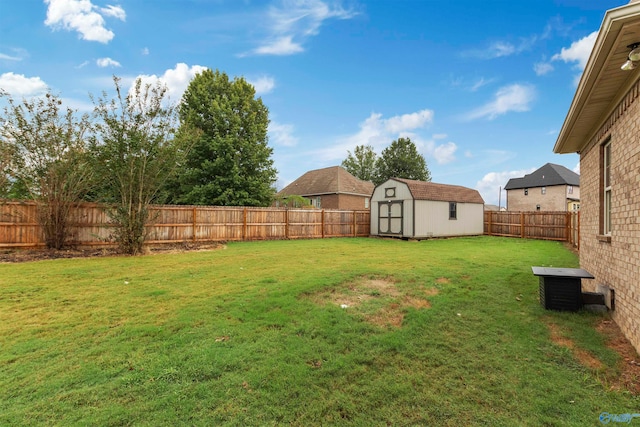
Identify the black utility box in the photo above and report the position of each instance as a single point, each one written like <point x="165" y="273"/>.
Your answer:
<point x="561" y="288"/>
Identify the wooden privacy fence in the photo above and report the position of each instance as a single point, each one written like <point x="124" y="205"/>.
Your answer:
<point x="90" y="224"/>
<point x="561" y="226"/>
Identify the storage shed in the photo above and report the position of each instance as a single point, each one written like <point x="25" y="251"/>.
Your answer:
<point x="417" y="209"/>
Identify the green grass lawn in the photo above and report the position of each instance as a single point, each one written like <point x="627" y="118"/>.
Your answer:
<point x="362" y="332"/>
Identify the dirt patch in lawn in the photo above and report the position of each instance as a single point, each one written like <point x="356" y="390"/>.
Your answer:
<point x="626" y="376"/>
<point x="584" y="357"/>
<point x="629" y="377"/>
<point x="378" y="300"/>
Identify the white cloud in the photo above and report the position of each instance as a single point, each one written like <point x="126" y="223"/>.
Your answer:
<point x="9" y="57"/>
<point x="490" y="184"/>
<point x="145" y="51"/>
<point x="78" y="104"/>
<point x="19" y="85"/>
<point x="442" y="153"/>
<point x="480" y="83"/>
<point x="282" y="46"/>
<point x="17" y="55"/>
<point x="515" y="97"/>
<point x="579" y="51"/>
<point x="445" y="153"/>
<point x="407" y="122"/>
<point x="292" y="22"/>
<point x="263" y="84"/>
<point x="84" y="17"/>
<point x="176" y="79"/>
<point x="499" y="49"/>
<point x="107" y="62"/>
<point x="378" y="133"/>
<point x="577" y="168"/>
<point x="542" y="68"/>
<point x="114" y="11"/>
<point x="282" y="134"/>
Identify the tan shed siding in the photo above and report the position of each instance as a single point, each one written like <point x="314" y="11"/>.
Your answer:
<point x="432" y="219"/>
<point x="373" y="230"/>
<point x="615" y="263"/>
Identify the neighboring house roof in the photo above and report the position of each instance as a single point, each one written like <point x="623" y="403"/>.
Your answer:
<point x="547" y="176"/>
<point x="421" y="190"/>
<point x="331" y="180"/>
<point x="603" y="84"/>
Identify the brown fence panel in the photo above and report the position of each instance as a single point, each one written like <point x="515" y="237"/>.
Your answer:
<point x="90" y="224"/>
<point x="265" y="224"/>
<point x="219" y="224"/>
<point x="363" y="223"/>
<point x="560" y="226"/>
<point x="338" y="223"/>
<point x="19" y="226"/>
<point x="546" y="226"/>
<point x="305" y="223"/>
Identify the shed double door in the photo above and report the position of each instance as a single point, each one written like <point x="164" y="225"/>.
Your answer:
<point x="390" y="218"/>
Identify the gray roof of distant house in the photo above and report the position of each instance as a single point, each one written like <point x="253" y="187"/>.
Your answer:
<point x="547" y="176"/>
<point x="331" y="180"/>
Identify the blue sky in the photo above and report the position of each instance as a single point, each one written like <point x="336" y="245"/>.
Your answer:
<point x="481" y="87"/>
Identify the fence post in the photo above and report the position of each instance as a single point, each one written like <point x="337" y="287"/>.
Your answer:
<point x="286" y="223"/>
<point x="244" y="224"/>
<point x="193" y="224"/>
<point x="490" y="215"/>
<point x="355" y="227"/>
<point x="522" y="225"/>
<point x="578" y="225"/>
<point x="322" y="221"/>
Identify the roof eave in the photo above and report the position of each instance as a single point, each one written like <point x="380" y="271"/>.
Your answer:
<point x="571" y="138"/>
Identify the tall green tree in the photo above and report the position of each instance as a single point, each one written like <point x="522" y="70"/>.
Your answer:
<point x="401" y="159"/>
<point x="43" y="158"/>
<point x="230" y="163"/>
<point x="135" y="151"/>
<point x="362" y="163"/>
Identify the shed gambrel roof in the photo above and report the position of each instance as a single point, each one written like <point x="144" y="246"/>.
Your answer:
<point x="331" y="180"/>
<point x="421" y="190"/>
<point x="547" y="176"/>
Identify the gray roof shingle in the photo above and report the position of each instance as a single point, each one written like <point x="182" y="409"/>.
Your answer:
<point x="547" y="176"/>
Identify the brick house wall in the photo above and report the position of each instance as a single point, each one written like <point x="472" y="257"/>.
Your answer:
<point x="614" y="261"/>
<point x="342" y="201"/>
<point x="351" y="202"/>
<point x="554" y="199"/>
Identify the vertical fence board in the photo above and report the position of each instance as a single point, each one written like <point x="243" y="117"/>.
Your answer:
<point x="560" y="226"/>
